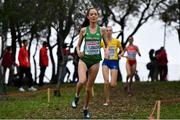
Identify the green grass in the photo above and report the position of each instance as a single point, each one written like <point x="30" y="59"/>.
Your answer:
<point x="138" y="106"/>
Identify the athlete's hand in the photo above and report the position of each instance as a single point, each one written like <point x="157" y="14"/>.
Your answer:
<point x="80" y="54"/>
<point x="125" y="56"/>
<point x="119" y="56"/>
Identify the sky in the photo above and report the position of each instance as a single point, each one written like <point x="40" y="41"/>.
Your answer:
<point x="149" y="36"/>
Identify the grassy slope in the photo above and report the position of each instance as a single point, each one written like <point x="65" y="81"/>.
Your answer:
<point x="123" y="106"/>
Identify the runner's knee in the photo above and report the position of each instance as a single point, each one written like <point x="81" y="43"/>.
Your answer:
<point x="82" y="82"/>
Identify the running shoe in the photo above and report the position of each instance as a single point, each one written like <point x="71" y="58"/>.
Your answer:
<point x="105" y="104"/>
<point x="86" y="114"/>
<point x="75" y="102"/>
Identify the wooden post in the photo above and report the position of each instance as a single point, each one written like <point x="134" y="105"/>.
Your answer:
<point x="49" y="94"/>
<point x="151" y="117"/>
<point x="158" y="109"/>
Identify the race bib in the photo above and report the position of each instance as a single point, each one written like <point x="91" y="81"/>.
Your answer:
<point x="112" y="52"/>
<point x="131" y="54"/>
<point x="92" y="48"/>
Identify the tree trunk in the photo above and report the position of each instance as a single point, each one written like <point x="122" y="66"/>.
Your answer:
<point x="34" y="59"/>
<point x="30" y="42"/>
<point x="19" y="36"/>
<point x="53" y="78"/>
<point x="2" y="46"/>
<point x="61" y="61"/>
<point x="3" y="36"/>
<point x="178" y="30"/>
<point x="14" y="36"/>
<point x="60" y="66"/>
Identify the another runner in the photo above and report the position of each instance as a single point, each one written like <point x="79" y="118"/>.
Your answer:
<point x="110" y="64"/>
<point x="131" y="63"/>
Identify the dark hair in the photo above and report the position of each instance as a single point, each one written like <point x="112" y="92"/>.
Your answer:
<point x="151" y="54"/>
<point x="24" y="41"/>
<point x="45" y="43"/>
<point x="130" y="38"/>
<point x="162" y="48"/>
<point x="65" y="45"/>
<point x="86" y="21"/>
<point x="8" y="48"/>
<point x="151" y="51"/>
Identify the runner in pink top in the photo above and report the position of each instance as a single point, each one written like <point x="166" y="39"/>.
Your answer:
<point x="131" y="50"/>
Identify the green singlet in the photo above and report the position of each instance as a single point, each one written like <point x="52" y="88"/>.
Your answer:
<point x="92" y="48"/>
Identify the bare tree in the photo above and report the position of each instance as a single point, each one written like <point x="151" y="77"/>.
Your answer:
<point x="125" y="13"/>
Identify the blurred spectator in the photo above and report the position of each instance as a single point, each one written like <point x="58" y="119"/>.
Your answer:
<point x="24" y="67"/>
<point x="152" y="65"/>
<point x="66" y="71"/>
<point x="157" y="67"/>
<point x="7" y="63"/>
<point x="43" y="62"/>
<point x="162" y="61"/>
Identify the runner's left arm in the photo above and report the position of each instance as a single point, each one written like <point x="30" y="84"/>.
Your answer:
<point x="104" y="36"/>
<point x="138" y="51"/>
